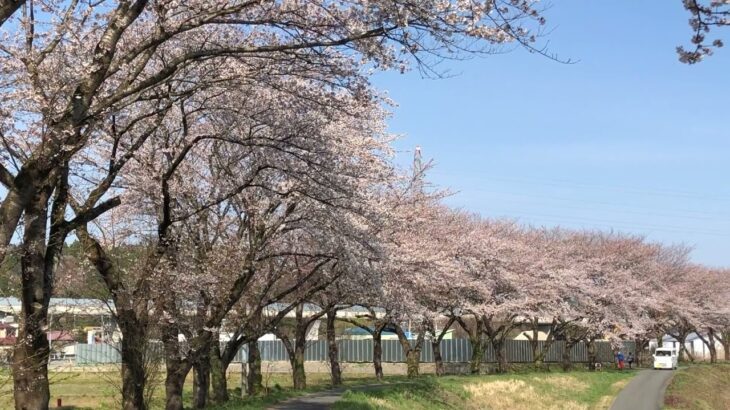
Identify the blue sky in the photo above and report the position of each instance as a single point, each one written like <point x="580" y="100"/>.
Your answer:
<point x="627" y="139"/>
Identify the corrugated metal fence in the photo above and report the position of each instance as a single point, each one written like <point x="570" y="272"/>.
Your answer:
<point x="357" y="351"/>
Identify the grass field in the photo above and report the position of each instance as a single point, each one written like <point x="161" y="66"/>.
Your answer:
<point x="701" y="386"/>
<point x="576" y="390"/>
<point x="100" y="390"/>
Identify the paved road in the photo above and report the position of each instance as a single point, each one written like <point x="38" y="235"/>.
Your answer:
<point x="325" y="399"/>
<point x="644" y="392"/>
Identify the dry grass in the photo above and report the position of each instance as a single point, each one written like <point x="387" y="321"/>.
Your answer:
<point x="566" y="382"/>
<point x="516" y="394"/>
<point x="700" y="387"/>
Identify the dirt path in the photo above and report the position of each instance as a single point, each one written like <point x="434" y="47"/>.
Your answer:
<point x="324" y="400"/>
<point x="644" y="392"/>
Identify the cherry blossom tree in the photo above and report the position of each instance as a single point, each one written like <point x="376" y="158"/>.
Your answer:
<point x="74" y="70"/>
<point x="705" y="15"/>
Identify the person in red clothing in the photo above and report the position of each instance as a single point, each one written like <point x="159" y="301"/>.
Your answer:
<point x="620" y="359"/>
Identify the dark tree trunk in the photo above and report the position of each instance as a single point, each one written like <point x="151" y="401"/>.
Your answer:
<point x="437" y="358"/>
<point x="254" y="378"/>
<point x="436" y="343"/>
<point x="299" y="376"/>
<point x="712" y="346"/>
<point x="134" y="371"/>
<point x="592" y="354"/>
<point x="174" y="382"/>
<point x="477" y="353"/>
<point x="177" y="369"/>
<point x="201" y="380"/>
<point x="30" y="357"/>
<point x="218" y="368"/>
<point x="501" y="356"/>
<point x="332" y="349"/>
<point x="30" y="369"/>
<point x="131" y="317"/>
<point x="641" y="345"/>
<point x="378" y="353"/>
<point x="567" y="363"/>
<point x="538" y="358"/>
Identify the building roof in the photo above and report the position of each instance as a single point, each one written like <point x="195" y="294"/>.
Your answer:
<point x="60" y="336"/>
<point x="7" y="341"/>
<point x="93" y="307"/>
<point x="358" y="331"/>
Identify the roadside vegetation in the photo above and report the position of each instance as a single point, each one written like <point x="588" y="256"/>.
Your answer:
<point x="700" y="386"/>
<point x="575" y="390"/>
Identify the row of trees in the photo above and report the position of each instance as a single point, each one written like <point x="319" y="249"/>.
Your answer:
<point x="236" y="136"/>
<point x="240" y="144"/>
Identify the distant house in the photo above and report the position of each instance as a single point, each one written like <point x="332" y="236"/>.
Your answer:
<point x="357" y="333"/>
<point x="8" y="333"/>
<point x="694" y="345"/>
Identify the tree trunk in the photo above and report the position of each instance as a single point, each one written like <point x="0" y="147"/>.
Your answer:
<point x="174" y="382"/>
<point x="641" y="345"/>
<point x="592" y="354"/>
<point x="682" y="339"/>
<point x="201" y="381"/>
<point x="567" y="363"/>
<point x="378" y="353"/>
<point x="710" y="343"/>
<point x="218" y="368"/>
<point x="413" y="361"/>
<point x="436" y="342"/>
<point x="412" y="351"/>
<point x="177" y="369"/>
<point x="254" y="379"/>
<point x="134" y="371"/>
<point x="30" y="356"/>
<point x="476" y="339"/>
<point x="477" y="354"/>
<point x="501" y="356"/>
<point x="299" y="376"/>
<point x="30" y="369"/>
<point x="538" y="357"/>
<point x="725" y="341"/>
<point x="437" y="358"/>
<point x="332" y="349"/>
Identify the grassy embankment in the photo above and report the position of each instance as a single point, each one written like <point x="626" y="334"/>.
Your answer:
<point x="575" y="390"/>
<point x="700" y="386"/>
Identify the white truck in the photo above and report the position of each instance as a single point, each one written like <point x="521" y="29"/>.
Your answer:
<point x="665" y="358"/>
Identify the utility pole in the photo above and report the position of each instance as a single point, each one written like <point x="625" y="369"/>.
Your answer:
<point x="418" y="169"/>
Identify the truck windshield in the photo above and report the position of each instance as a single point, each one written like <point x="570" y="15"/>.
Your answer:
<point x="663" y="353"/>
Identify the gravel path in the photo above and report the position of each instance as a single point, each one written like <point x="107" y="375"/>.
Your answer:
<point x="644" y="392"/>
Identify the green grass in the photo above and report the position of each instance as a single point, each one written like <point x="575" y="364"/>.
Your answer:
<point x="575" y="390"/>
<point x="100" y="390"/>
<point x="700" y="386"/>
